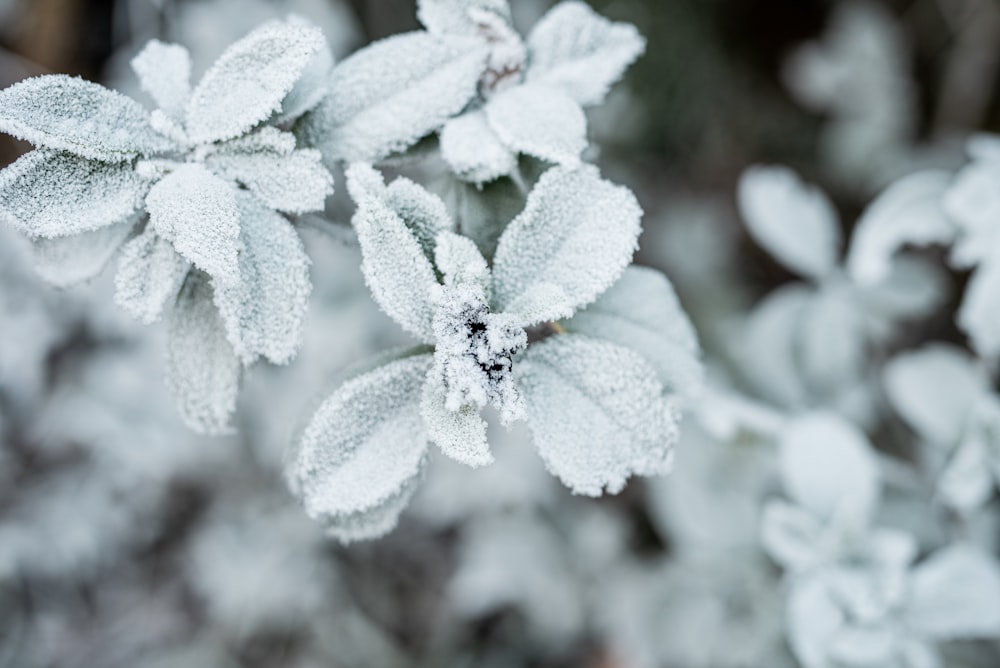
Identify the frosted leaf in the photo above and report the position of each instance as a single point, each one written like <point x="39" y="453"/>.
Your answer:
<point x="67" y="261"/>
<point x="934" y="390"/>
<point x="360" y="458"/>
<point x="814" y="619"/>
<point x="264" y="312"/>
<point x="473" y="150"/>
<point x="150" y="273"/>
<point x="642" y="312"/>
<point x="484" y="212"/>
<point x="203" y="372"/>
<point x="795" y="222"/>
<point x="828" y="467"/>
<point x="955" y="593"/>
<point x="312" y="85"/>
<point x="474" y="349"/>
<point x="294" y="183"/>
<point x="47" y="194"/>
<point x="790" y="536"/>
<point x="69" y="114"/>
<point x="461" y="434"/>
<point x="597" y="413"/>
<point x="164" y="71"/>
<point x="453" y="16"/>
<point x="978" y="315"/>
<point x="398" y="273"/>
<point x="580" y="52"/>
<point x="266" y="140"/>
<point x="540" y="121"/>
<point x="390" y="94"/>
<point x="249" y="80"/>
<point x="908" y="212"/>
<point x="196" y="212"/>
<point x="459" y="261"/>
<point x="973" y="203"/>
<point x="967" y="482"/>
<point x="574" y="238"/>
<point x="423" y="212"/>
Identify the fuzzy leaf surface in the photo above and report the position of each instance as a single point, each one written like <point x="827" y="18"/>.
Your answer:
<point x="541" y="121"/>
<point x="453" y="16"/>
<point x="70" y="260"/>
<point x="150" y="274"/>
<point x="460" y="434"/>
<point x="295" y="183"/>
<point x="473" y="149"/>
<point x="164" y="71"/>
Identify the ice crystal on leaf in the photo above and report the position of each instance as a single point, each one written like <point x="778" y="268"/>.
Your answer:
<point x="531" y="93"/>
<point x="198" y="186"/>
<point x="600" y="411"/>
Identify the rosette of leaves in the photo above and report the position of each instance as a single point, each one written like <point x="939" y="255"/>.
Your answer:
<point x="599" y="386"/>
<point x="193" y="195"/>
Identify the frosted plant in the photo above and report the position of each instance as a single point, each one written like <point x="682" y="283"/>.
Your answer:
<point x="531" y="92"/>
<point x="807" y="342"/>
<point x="599" y="410"/>
<point x="945" y="395"/>
<point x="192" y="195"/>
<point x="855" y="598"/>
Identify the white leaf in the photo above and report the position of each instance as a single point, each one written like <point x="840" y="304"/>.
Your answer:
<point x="164" y="71"/>
<point x="973" y="203"/>
<point x="264" y="312"/>
<point x="642" y="312"/>
<point x="461" y="434"/>
<point x="580" y="52"/>
<point x="69" y="260"/>
<point x="832" y="338"/>
<point x="934" y="390"/>
<point x="423" y="212"/>
<point x="597" y="412"/>
<point x="69" y="114"/>
<point x="907" y="212"/>
<point x="574" y="238"/>
<point x="360" y="458"/>
<point x="955" y="593"/>
<point x="249" y="80"/>
<point x="398" y="273"/>
<point x="979" y="314"/>
<point x="459" y="261"/>
<point x="473" y="150"/>
<point x="914" y="287"/>
<point x="150" y="273"/>
<point x="196" y="212"/>
<point x="453" y="16"/>
<point x="294" y="183"/>
<point x="827" y="466"/>
<point x="967" y="482"/>
<point x="203" y="372"/>
<point x="865" y="646"/>
<point x="47" y="194"/>
<point x="790" y="536"/>
<point x="393" y="92"/>
<point x="540" y="121"/>
<point x="313" y="84"/>
<point x="795" y="222"/>
<point x="814" y="619"/>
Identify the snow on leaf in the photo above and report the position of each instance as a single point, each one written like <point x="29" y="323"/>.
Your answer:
<point x="264" y="312"/>
<point x="574" y="238"/>
<point x="361" y="456"/>
<point x="459" y="261"/>
<point x="294" y="183"/>
<point x="908" y="212"/>
<point x="540" y="121"/>
<point x="399" y="274"/>
<point x="196" y="212"/>
<point x="69" y="114"/>
<point x="46" y="194"/>
<point x="934" y="390"/>
<point x="582" y="53"/>
<point x="249" y="80"/>
<point x="597" y="412"/>
<point x="150" y="274"/>
<point x="67" y="261"/>
<point x="641" y="311"/>
<point x="955" y="593"/>
<point x="484" y="212"/>
<point x="978" y="315"/>
<point x="473" y="150"/>
<point x="164" y="71"/>
<point x="453" y="16"/>
<point x="827" y="465"/>
<point x="312" y="85"/>
<point x="796" y="223"/>
<point x="266" y="140"/>
<point x="203" y="372"/>
<point x="423" y="212"/>
<point x="461" y="434"/>
<point x="392" y="93"/>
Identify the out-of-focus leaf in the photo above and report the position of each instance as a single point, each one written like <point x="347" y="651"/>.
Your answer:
<point x="955" y="593"/>
<point x="69" y="260"/>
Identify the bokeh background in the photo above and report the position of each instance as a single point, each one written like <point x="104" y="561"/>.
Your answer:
<point x="125" y="541"/>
